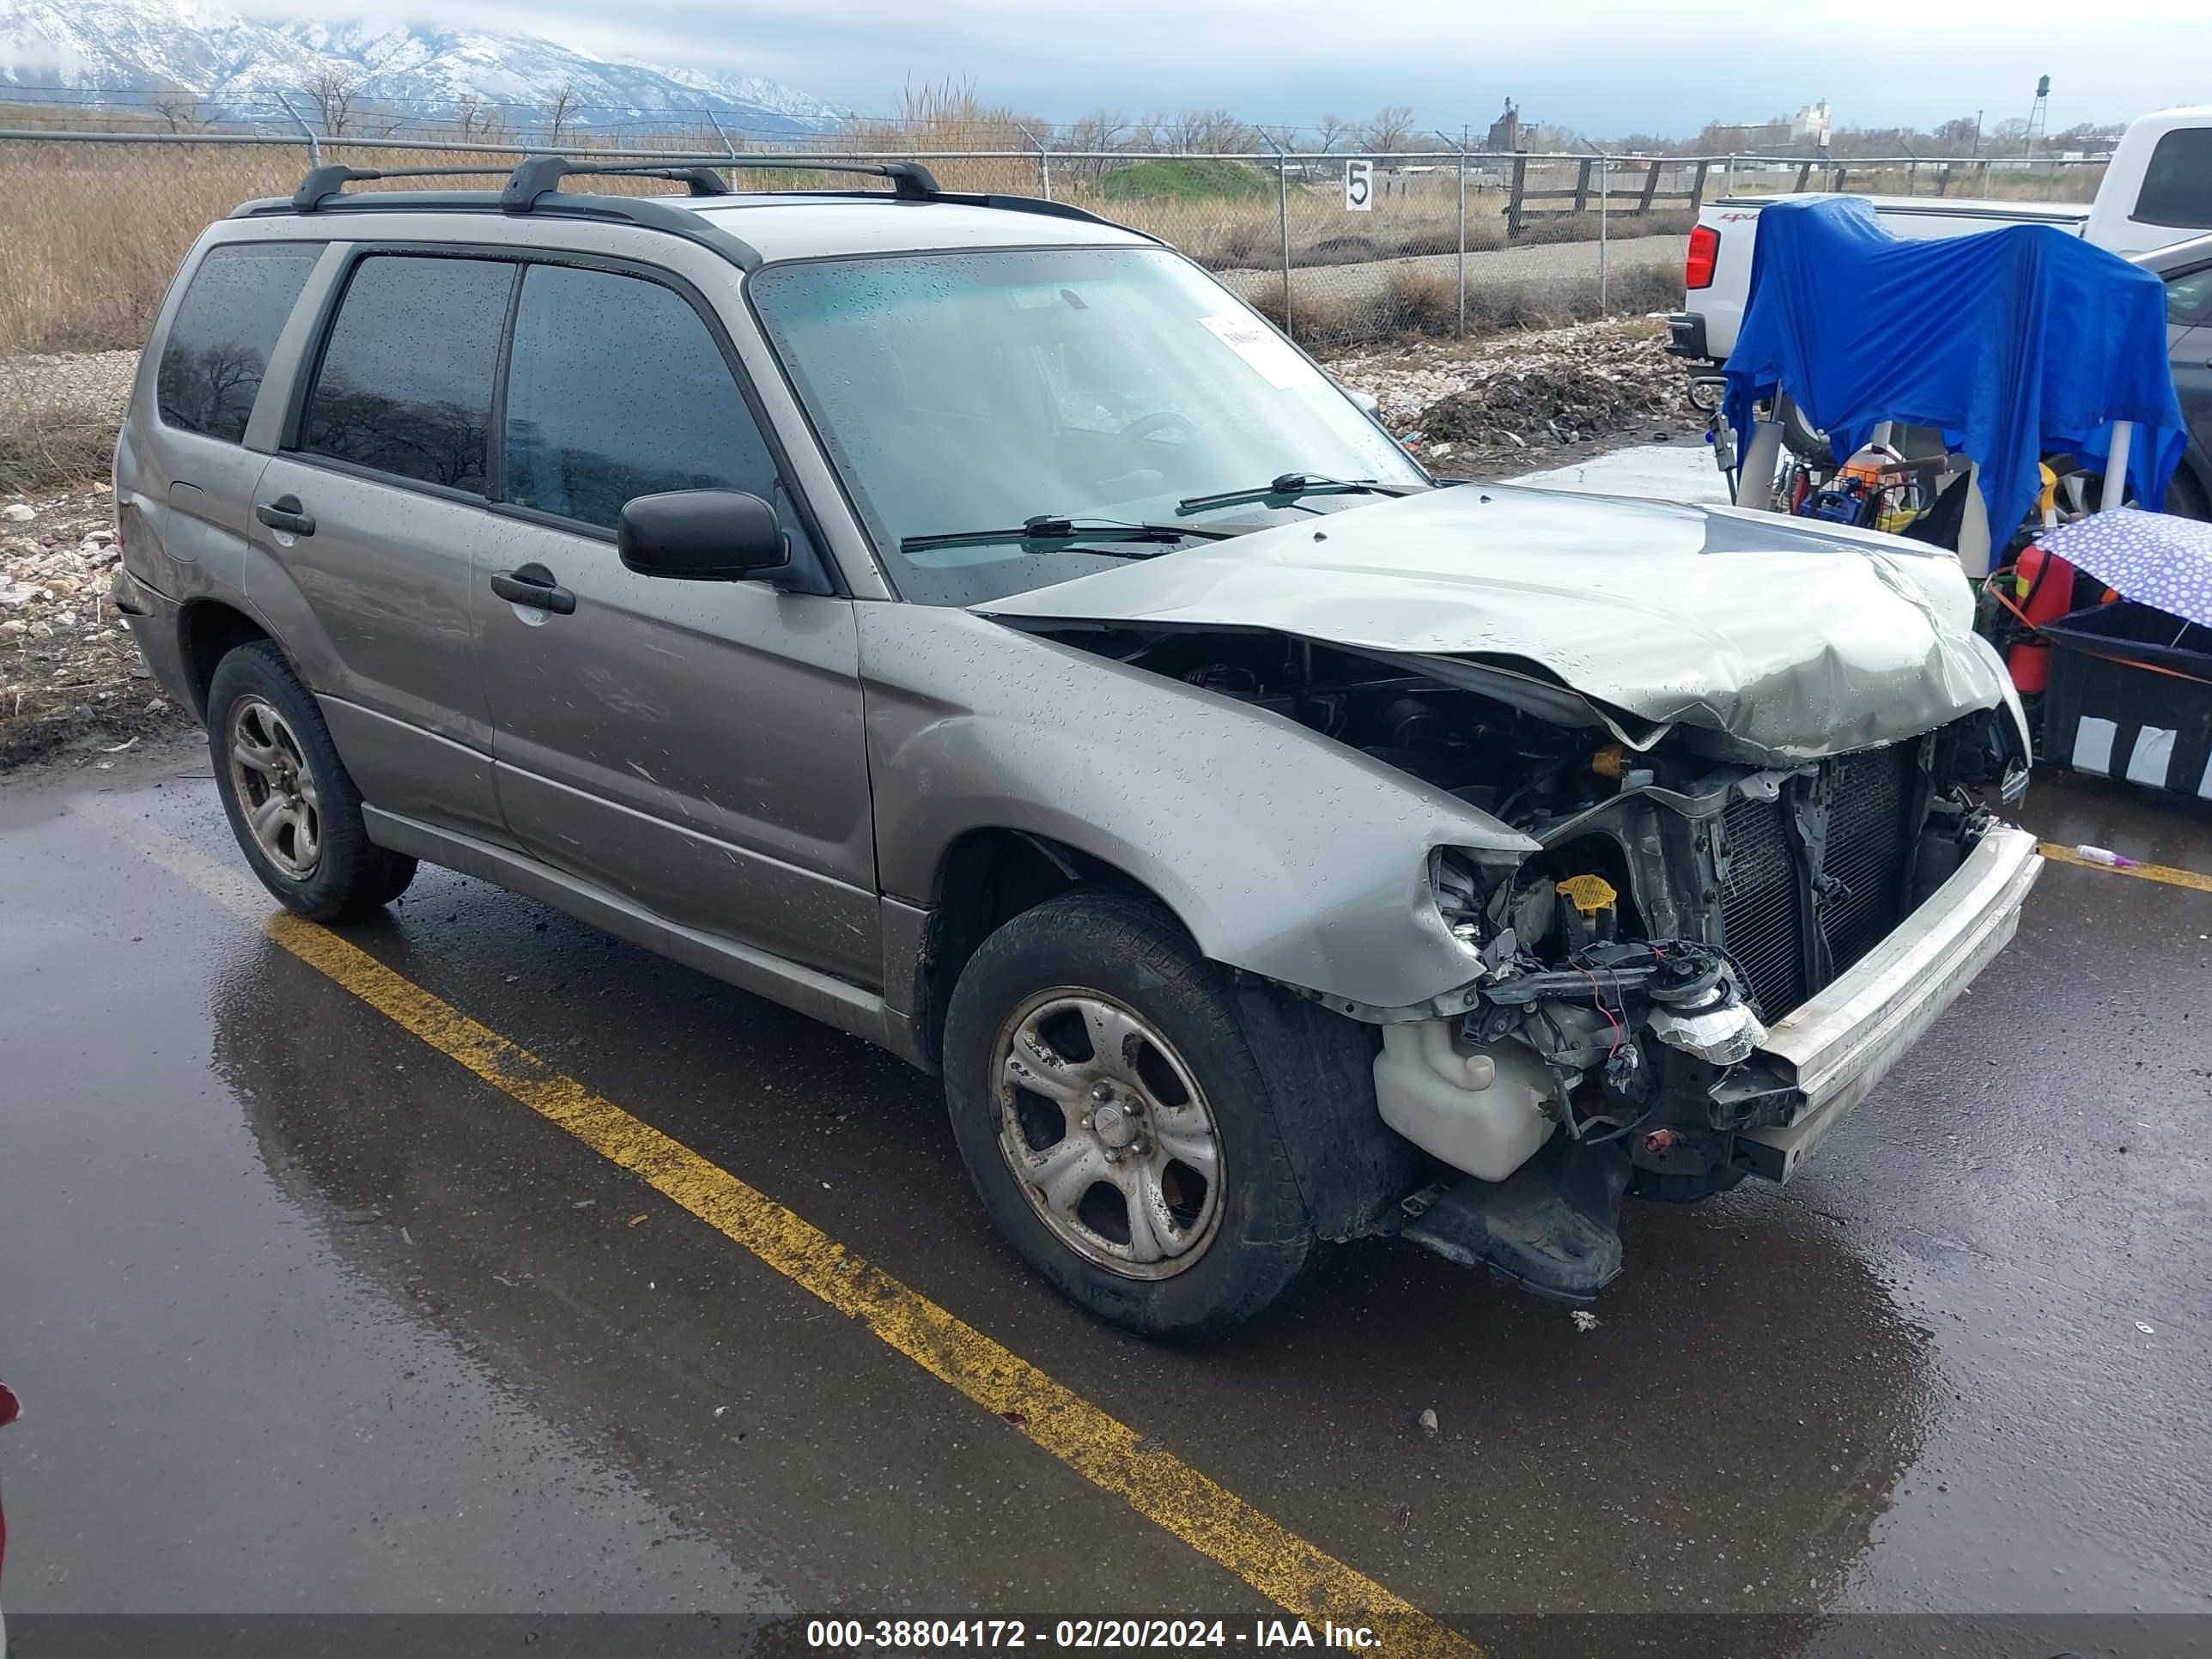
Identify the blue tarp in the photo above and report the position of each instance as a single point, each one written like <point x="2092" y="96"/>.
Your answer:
<point x="2015" y="343"/>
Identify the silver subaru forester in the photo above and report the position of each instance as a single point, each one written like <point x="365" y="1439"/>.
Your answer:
<point x="959" y="618"/>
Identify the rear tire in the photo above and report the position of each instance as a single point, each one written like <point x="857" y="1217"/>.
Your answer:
<point x="1155" y="1192"/>
<point x="291" y="804"/>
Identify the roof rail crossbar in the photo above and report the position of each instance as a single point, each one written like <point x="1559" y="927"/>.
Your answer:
<point x="323" y="182"/>
<point x="910" y="180"/>
<point x="539" y="174"/>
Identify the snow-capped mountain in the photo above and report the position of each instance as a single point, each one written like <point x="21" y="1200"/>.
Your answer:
<point x="125" y="51"/>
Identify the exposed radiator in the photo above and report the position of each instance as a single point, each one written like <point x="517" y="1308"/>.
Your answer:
<point x="1763" y="909"/>
<point x="1762" y="903"/>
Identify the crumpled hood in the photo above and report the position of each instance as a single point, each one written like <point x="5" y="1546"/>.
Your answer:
<point x="1790" y="640"/>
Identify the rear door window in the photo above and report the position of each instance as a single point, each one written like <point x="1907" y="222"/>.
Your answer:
<point x="2188" y="297"/>
<point x="406" y="379"/>
<point x="2177" y="187"/>
<point x="226" y="325"/>
<point x="616" y="388"/>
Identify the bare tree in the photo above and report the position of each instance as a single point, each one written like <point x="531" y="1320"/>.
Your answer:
<point x="1390" y="129"/>
<point x="561" y="112"/>
<point x="1100" y="131"/>
<point x="181" y="111"/>
<point x="1333" y="129"/>
<point x="1957" y="135"/>
<point x="1209" y="132"/>
<point x="335" y="90"/>
<point x="472" y="115"/>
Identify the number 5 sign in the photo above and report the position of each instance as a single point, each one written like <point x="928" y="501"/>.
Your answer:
<point x="1359" y="186"/>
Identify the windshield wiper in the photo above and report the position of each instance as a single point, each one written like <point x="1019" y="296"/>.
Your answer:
<point x="1049" y="527"/>
<point x="1290" y="487"/>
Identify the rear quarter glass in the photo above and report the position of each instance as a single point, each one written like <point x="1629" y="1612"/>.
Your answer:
<point x="218" y="346"/>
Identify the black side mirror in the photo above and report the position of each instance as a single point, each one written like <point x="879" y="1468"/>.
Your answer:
<point x="702" y="535"/>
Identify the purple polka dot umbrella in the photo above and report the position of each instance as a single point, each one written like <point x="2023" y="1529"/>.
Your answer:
<point x="2153" y="558"/>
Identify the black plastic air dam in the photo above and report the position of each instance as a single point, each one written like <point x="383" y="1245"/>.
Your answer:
<point x="1553" y="1226"/>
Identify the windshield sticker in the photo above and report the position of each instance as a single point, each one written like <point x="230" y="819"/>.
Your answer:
<point x="1265" y="351"/>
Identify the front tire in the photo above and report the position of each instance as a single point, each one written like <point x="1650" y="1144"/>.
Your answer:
<point x="291" y="804"/>
<point x="1106" y="1104"/>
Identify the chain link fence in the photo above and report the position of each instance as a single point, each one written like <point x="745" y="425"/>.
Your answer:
<point x="1341" y="250"/>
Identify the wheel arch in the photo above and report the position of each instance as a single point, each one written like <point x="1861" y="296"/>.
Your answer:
<point x="1318" y="1065"/>
<point x="207" y="630"/>
<point x="985" y="878"/>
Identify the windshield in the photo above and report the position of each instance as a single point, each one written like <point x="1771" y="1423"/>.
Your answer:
<point x="981" y="389"/>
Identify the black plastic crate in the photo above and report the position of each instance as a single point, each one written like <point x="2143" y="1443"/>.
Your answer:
<point x="2112" y="718"/>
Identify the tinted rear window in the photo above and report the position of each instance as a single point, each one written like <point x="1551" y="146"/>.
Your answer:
<point x="218" y="346"/>
<point x="617" y="389"/>
<point x="405" y="384"/>
<point x="2177" y="189"/>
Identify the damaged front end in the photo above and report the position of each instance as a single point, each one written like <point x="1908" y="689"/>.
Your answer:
<point x="1621" y="1036"/>
<point x="1652" y="910"/>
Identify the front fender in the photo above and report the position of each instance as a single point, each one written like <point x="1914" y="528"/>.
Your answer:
<point x="1284" y="852"/>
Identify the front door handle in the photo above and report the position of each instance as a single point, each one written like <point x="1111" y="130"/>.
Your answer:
<point x="285" y="512"/>
<point x="533" y="585"/>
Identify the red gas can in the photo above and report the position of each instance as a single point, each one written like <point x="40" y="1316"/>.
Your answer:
<point x="2044" y="593"/>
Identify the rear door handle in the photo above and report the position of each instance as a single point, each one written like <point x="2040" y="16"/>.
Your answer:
<point x="533" y="585"/>
<point x="286" y="514"/>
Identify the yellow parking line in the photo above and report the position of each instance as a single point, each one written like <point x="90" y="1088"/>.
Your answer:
<point x="2165" y="872"/>
<point x="1301" y="1578"/>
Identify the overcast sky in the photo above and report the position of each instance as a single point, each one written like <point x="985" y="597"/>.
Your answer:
<point x="1602" y="67"/>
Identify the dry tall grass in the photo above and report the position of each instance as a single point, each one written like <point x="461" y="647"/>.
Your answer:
<point x="91" y="233"/>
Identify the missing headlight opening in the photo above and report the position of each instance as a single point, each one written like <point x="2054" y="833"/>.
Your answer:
<point x="1624" y="977"/>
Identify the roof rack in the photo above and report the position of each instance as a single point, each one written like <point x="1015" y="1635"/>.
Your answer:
<point x="538" y="178"/>
<point x="538" y="175"/>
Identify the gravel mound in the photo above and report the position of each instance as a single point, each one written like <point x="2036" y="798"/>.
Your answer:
<point x="59" y="415"/>
<point x="1525" y="396"/>
<point x="69" y="676"/>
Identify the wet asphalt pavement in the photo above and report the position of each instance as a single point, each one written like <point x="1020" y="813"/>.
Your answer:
<point x="307" y="1318"/>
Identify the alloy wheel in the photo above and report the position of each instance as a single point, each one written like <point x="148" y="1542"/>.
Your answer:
<point x="1108" y="1132"/>
<point x="276" y="787"/>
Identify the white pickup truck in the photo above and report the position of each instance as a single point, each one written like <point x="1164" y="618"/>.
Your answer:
<point x="2157" y="191"/>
